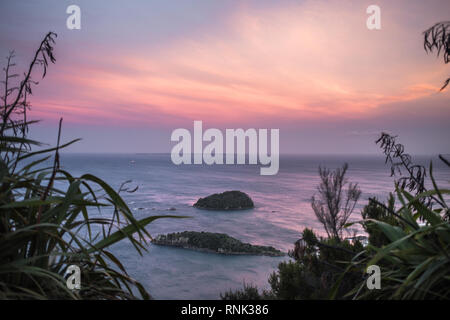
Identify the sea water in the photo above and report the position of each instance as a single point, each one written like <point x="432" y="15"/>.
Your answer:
<point x="282" y="210"/>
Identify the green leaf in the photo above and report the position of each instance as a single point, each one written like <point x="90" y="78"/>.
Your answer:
<point x="127" y="231"/>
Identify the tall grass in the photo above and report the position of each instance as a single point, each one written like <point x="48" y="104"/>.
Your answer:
<point x="46" y="220"/>
<point x="414" y="257"/>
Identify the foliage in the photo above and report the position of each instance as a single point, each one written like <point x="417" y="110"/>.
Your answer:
<point x="401" y="162"/>
<point x="380" y="212"/>
<point x="248" y="292"/>
<point x="217" y="242"/>
<point x="438" y="38"/>
<point x="46" y="221"/>
<point x="331" y="208"/>
<point x="415" y="262"/>
<point x="414" y="179"/>
<point x="316" y="266"/>
<point x="410" y="244"/>
<point x="292" y="281"/>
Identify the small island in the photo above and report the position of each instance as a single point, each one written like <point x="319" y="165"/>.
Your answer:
<point x="213" y="242"/>
<point x="228" y="200"/>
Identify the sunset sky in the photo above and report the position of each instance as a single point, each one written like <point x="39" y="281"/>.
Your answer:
<point x="137" y="70"/>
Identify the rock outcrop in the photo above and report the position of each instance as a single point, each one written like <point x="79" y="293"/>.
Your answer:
<point x="228" y="200"/>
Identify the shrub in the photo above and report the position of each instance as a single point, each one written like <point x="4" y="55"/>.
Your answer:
<point x="331" y="207"/>
<point x="249" y="292"/>
<point x="317" y="264"/>
<point x="380" y="212"/>
<point x="415" y="259"/>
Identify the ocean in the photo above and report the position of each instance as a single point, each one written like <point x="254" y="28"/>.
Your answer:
<point x="282" y="210"/>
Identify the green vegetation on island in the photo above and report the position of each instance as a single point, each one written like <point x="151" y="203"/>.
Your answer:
<point x="213" y="242"/>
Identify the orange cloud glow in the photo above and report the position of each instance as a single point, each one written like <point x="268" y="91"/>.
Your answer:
<point x="305" y="61"/>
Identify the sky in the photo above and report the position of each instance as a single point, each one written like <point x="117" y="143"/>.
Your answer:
<point x="137" y="70"/>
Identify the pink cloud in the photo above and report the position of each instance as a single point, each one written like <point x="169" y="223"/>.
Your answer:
<point x="306" y="61"/>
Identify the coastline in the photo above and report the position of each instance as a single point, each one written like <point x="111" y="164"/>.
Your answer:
<point x="206" y="250"/>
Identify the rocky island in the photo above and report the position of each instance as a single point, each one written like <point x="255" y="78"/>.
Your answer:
<point x="228" y="200"/>
<point x="213" y="242"/>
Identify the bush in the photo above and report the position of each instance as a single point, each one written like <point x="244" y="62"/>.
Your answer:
<point x="380" y="212"/>
<point x="249" y="292"/>
<point x="317" y="264"/>
<point x="415" y="259"/>
<point x="331" y="207"/>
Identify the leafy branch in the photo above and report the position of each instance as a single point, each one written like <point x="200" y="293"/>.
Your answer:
<point x="438" y="38"/>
